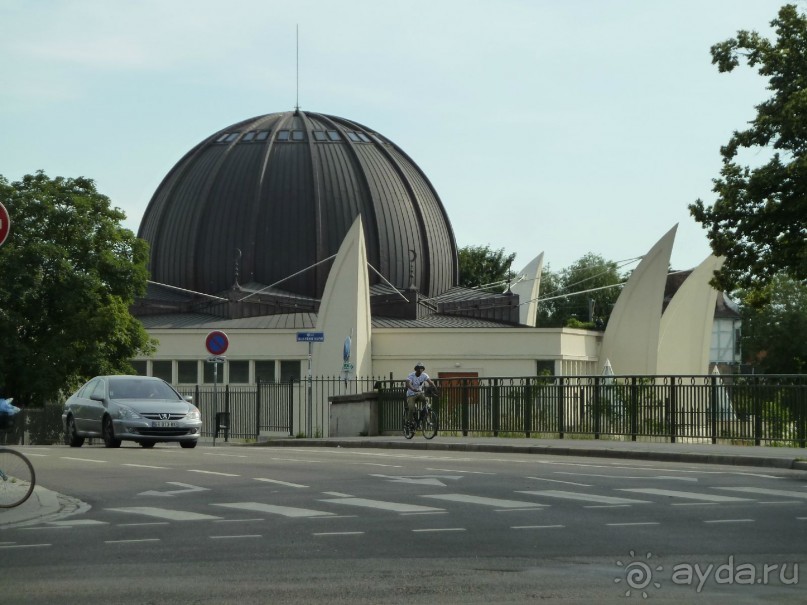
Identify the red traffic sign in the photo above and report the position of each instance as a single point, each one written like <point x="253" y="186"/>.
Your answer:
<point x="5" y="224"/>
<point x="217" y="342"/>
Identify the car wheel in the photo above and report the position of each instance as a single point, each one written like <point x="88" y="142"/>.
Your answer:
<point x="109" y="433"/>
<point x="73" y="440"/>
<point x="188" y="444"/>
<point x="147" y="444"/>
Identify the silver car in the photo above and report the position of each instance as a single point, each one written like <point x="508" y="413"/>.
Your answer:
<point x="133" y="408"/>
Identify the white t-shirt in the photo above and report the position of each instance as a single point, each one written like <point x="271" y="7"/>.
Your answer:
<point x="417" y="382"/>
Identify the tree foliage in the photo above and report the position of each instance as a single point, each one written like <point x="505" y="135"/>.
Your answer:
<point x="775" y="334"/>
<point x="588" y="286"/>
<point x="70" y="272"/>
<point x="481" y="266"/>
<point x="759" y="219"/>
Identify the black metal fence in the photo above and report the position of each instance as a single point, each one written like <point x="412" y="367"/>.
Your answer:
<point x="743" y="409"/>
<point x="739" y="409"/>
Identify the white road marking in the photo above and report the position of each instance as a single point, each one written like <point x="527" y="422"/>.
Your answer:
<point x="338" y="494"/>
<point x="584" y="497"/>
<point x="191" y="470"/>
<point x="186" y="489"/>
<point x="559" y="481"/>
<point x="235" y="537"/>
<point x="24" y="546"/>
<point x="695" y="479"/>
<point x="688" y="495"/>
<point x="286" y="483"/>
<point x="635" y="523"/>
<point x="767" y="492"/>
<point x="297" y="460"/>
<point x="439" y="529"/>
<point x="506" y="504"/>
<point x="339" y="533"/>
<point x="398" y="507"/>
<point x="143" y="524"/>
<point x="451" y="470"/>
<point x="730" y="521"/>
<point x="84" y="460"/>
<point x="77" y="522"/>
<point x="131" y="541"/>
<point x="537" y="526"/>
<point x="164" y="513"/>
<point x="286" y="511"/>
<point x="146" y="466"/>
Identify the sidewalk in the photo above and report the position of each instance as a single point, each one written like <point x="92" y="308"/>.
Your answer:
<point x="47" y="506"/>
<point x="699" y="453"/>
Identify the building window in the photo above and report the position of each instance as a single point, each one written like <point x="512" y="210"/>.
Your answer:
<point x="364" y="137"/>
<point x="231" y="137"/>
<point x="262" y="135"/>
<point x="222" y="138"/>
<point x="265" y="371"/>
<point x="249" y="136"/>
<point x="545" y="367"/>
<point x="334" y="136"/>
<point x="239" y="372"/>
<point x="298" y="135"/>
<point x="162" y="369"/>
<point x="353" y="136"/>
<point x="319" y="136"/>
<point x="187" y="372"/>
<point x="289" y="371"/>
<point x="282" y="135"/>
<point x="141" y="366"/>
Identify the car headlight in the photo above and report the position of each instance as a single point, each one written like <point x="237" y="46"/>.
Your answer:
<point x="125" y="413"/>
<point x="194" y="414"/>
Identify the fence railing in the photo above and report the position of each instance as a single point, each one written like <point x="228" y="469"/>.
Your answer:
<point x="743" y="409"/>
<point x="746" y="409"/>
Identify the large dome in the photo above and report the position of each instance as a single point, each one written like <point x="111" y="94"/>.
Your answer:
<point x="274" y="195"/>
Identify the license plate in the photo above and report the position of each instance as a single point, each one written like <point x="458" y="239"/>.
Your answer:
<point x="163" y="423"/>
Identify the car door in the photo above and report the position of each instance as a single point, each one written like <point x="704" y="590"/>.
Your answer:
<point x="80" y="403"/>
<point x="96" y="406"/>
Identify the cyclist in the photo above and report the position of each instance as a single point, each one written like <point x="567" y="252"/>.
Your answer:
<point x="414" y="390"/>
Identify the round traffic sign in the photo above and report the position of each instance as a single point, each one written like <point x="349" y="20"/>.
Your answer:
<point x="217" y="342"/>
<point x="5" y="224"/>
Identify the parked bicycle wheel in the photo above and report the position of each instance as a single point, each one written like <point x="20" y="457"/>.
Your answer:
<point x="17" y="478"/>
<point x="408" y="428"/>
<point x="429" y="424"/>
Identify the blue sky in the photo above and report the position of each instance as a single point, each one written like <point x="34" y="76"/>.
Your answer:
<point x="544" y="125"/>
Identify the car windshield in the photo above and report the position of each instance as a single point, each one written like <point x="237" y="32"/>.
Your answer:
<point x="132" y="388"/>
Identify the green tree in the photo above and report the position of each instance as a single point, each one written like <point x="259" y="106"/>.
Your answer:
<point x="775" y="333"/>
<point x="759" y="219"/>
<point x="587" y="287"/>
<point x="481" y="266"/>
<point x="70" y="273"/>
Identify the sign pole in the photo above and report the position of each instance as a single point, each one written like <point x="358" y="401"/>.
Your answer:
<point x="310" y="399"/>
<point x="310" y="338"/>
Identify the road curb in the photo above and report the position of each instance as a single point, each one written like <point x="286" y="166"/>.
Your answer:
<point x="547" y="450"/>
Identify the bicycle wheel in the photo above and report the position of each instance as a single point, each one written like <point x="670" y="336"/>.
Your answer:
<point x="17" y="478"/>
<point x="408" y="430"/>
<point x="429" y="424"/>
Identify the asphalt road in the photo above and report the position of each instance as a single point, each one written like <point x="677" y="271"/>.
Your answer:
<point x="338" y="525"/>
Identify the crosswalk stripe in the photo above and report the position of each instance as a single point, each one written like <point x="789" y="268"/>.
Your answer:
<point x="689" y="495"/>
<point x="765" y="491"/>
<point x="551" y="493"/>
<point x="397" y="507"/>
<point x="164" y="513"/>
<point x="486" y="501"/>
<point x="286" y="511"/>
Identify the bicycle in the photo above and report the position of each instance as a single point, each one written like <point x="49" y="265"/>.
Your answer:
<point x="425" y="418"/>
<point x="17" y="477"/>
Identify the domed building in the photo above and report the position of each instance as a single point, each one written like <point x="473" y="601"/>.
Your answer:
<point x="300" y="221"/>
<point x="279" y="193"/>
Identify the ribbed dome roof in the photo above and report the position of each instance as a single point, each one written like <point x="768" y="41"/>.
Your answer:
<point x="284" y="189"/>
